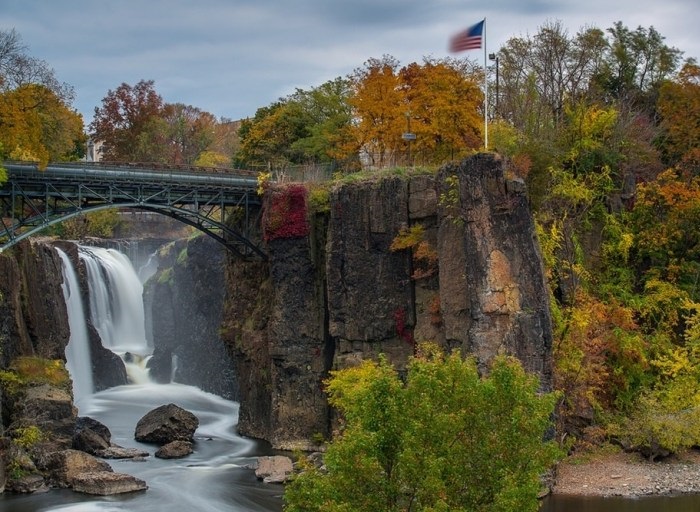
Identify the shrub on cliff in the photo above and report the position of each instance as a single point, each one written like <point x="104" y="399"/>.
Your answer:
<point x="446" y="439"/>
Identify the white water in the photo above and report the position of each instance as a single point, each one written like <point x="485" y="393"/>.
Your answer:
<point x="78" y="359"/>
<point x="116" y="303"/>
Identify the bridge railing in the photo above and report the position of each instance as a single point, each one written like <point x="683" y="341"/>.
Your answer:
<point x="133" y="173"/>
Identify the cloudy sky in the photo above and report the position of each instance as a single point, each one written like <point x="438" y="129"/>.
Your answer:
<point x="230" y="57"/>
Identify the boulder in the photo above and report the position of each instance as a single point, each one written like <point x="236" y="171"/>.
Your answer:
<point x="48" y="407"/>
<point x="174" y="450"/>
<point x="66" y="465"/>
<point x="105" y="483"/>
<point x="94" y="438"/>
<point x="87" y="423"/>
<point x="165" y="424"/>
<point x="89" y="441"/>
<point x="31" y="483"/>
<point x="275" y="469"/>
<point x="118" y="452"/>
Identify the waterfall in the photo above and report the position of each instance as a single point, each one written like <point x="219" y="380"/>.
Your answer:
<point x="116" y="308"/>
<point x="116" y="302"/>
<point x="78" y="359"/>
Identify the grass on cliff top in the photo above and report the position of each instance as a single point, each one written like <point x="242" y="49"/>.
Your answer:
<point x="380" y="174"/>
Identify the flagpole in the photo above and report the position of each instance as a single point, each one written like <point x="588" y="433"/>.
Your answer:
<point x="486" y="96"/>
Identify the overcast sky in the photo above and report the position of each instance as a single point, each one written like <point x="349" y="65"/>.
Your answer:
<point x="230" y="57"/>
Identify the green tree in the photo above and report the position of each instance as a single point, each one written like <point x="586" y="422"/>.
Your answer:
<point x="446" y="439"/>
<point x="635" y="65"/>
<point x="305" y="127"/>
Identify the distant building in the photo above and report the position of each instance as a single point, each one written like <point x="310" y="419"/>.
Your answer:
<point x="94" y="151"/>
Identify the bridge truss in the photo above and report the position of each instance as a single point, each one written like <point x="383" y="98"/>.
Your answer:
<point x="225" y="206"/>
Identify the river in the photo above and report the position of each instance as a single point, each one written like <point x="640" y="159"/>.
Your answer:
<point x="213" y="478"/>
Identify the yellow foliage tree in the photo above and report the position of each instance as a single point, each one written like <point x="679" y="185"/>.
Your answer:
<point x="38" y="126"/>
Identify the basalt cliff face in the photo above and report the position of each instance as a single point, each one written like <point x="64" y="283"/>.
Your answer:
<point x="333" y="292"/>
<point x="33" y="318"/>
<point x="183" y="303"/>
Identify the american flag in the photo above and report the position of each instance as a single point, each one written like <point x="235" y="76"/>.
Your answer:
<point x="469" y="39"/>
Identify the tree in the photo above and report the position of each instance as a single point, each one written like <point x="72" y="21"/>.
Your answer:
<point x="18" y="69"/>
<point x="36" y="119"/>
<point x="305" y="127"/>
<point x="123" y="118"/>
<point x="379" y="110"/>
<point x="37" y="125"/>
<point x="270" y="136"/>
<point x="635" y="65"/>
<point x="176" y="135"/>
<point x="447" y="439"/>
<point x="679" y="107"/>
<point x="540" y="74"/>
<point x="442" y="99"/>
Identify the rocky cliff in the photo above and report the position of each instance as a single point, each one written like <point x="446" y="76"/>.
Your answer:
<point x="33" y="318"/>
<point x="334" y="292"/>
<point x="184" y="302"/>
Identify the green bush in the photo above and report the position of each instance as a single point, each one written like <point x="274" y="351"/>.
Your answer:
<point x="666" y="420"/>
<point x="445" y="439"/>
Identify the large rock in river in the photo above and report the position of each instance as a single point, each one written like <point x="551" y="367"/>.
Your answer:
<point x="165" y="424"/>
<point x="105" y="483"/>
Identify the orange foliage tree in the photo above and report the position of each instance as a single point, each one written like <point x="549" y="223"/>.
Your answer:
<point x="679" y="106"/>
<point x="438" y="101"/>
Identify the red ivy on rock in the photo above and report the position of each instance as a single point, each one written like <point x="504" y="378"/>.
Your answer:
<point x="400" y="322"/>
<point x="286" y="213"/>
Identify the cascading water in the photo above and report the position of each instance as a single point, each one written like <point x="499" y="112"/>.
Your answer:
<point x="116" y="307"/>
<point x="78" y="359"/>
<point x="116" y="304"/>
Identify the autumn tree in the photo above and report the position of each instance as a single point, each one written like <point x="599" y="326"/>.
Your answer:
<point x="679" y="107"/>
<point x="443" y="101"/>
<point x="379" y="110"/>
<point x="124" y="117"/>
<point x="37" y="121"/>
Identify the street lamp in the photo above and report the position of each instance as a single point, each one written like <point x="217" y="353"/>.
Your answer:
<point x="494" y="57"/>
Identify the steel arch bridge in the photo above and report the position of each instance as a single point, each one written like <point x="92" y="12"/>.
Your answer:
<point x="224" y="205"/>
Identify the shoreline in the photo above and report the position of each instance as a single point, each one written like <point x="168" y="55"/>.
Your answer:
<point x="628" y="475"/>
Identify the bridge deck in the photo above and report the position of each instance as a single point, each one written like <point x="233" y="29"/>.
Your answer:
<point x="34" y="199"/>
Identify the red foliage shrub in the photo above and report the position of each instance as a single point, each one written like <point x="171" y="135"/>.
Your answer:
<point x="286" y="213"/>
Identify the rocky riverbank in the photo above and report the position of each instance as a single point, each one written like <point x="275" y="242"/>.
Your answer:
<point x="628" y="475"/>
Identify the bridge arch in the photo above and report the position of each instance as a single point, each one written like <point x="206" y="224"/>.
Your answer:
<point x="33" y="200"/>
